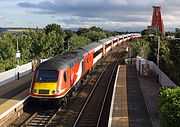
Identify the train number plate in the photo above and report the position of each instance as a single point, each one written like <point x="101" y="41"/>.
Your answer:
<point x="43" y="91"/>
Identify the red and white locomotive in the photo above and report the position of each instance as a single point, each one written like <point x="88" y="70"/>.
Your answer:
<point x="59" y="76"/>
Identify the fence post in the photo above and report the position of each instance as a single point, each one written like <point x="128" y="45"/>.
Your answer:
<point x="18" y="75"/>
<point x="157" y="78"/>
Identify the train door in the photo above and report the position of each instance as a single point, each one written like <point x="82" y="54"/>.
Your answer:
<point x="71" y="76"/>
<point x="66" y="77"/>
<point x="112" y="45"/>
<point x="91" y="57"/>
<point x="85" y="64"/>
<point x="104" y="49"/>
<point x="82" y="67"/>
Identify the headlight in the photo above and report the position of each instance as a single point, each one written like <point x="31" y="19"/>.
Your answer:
<point x="57" y="91"/>
<point x="53" y="92"/>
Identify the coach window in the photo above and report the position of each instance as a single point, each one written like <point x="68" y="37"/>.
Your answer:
<point x="65" y="79"/>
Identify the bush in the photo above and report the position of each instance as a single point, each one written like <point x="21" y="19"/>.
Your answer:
<point x="2" y="68"/>
<point x="169" y="106"/>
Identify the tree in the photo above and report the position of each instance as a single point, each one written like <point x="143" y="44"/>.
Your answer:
<point x="82" y="31"/>
<point x="54" y="27"/>
<point x="140" y="48"/>
<point x="151" y="32"/>
<point x="78" y="41"/>
<point x="2" y="67"/>
<point x="56" y="42"/>
<point x="94" y="36"/>
<point x="97" y="29"/>
<point x="7" y="54"/>
<point x="25" y="46"/>
<point x="108" y="33"/>
<point x="169" y="33"/>
<point x="177" y="33"/>
<point x="174" y="67"/>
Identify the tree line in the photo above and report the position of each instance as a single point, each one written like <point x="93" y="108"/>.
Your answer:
<point x="169" y="52"/>
<point x="44" y="43"/>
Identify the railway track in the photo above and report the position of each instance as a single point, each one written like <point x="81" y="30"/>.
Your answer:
<point x="91" y="112"/>
<point x="41" y="118"/>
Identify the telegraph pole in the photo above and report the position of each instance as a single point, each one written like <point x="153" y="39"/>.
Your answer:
<point x="158" y="50"/>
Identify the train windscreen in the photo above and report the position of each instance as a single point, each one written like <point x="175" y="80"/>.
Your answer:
<point x="47" y="76"/>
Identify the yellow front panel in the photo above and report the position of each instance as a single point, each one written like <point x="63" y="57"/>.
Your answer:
<point x="45" y="86"/>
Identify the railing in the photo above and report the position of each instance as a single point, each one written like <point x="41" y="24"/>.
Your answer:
<point x="162" y="78"/>
<point x="16" y="73"/>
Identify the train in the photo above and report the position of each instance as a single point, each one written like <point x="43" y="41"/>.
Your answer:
<point x="60" y="76"/>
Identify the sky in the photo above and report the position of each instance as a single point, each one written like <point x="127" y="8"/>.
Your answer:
<point x="108" y="14"/>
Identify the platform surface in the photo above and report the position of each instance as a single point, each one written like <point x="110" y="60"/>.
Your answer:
<point x="128" y="107"/>
<point x="14" y="93"/>
<point x="13" y="88"/>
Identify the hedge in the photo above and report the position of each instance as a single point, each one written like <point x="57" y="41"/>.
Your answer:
<point x="169" y="106"/>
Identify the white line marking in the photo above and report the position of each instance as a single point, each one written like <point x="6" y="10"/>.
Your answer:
<point x="113" y="97"/>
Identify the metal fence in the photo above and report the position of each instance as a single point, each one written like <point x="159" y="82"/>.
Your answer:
<point x="161" y="77"/>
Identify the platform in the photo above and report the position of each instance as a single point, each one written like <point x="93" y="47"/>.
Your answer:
<point x="128" y="107"/>
<point x="12" y="97"/>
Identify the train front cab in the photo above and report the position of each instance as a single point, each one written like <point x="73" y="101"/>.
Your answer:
<point x="50" y="84"/>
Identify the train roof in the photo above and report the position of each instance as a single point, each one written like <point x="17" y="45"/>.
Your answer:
<point x="113" y="38"/>
<point x="80" y="51"/>
<point x="61" y="61"/>
<point x="70" y="59"/>
<point x="91" y="46"/>
<point x="119" y="36"/>
<point x="51" y="64"/>
<point x="106" y="41"/>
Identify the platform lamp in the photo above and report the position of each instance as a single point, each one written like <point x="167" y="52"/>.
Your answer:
<point x="158" y="48"/>
<point x="18" y="54"/>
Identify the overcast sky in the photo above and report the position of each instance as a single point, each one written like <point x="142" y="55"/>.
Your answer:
<point x="108" y="14"/>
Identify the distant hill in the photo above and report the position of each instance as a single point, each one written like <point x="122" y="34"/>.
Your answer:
<point x="16" y="29"/>
<point x="12" y="30"/>
<point x="120" y="29"/>
<point x="130" y="29"/>
<point x="73" y="29"/>
<point x="2" y="29"/>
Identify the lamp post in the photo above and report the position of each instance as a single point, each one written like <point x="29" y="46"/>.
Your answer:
<point x="18" y="54"/>
<point x="158" y="50"/>
<point x="158" y="47"/>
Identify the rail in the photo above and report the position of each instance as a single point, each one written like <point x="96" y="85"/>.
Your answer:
<point x="93" y="90"/>
<point x="41" y="118"/>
